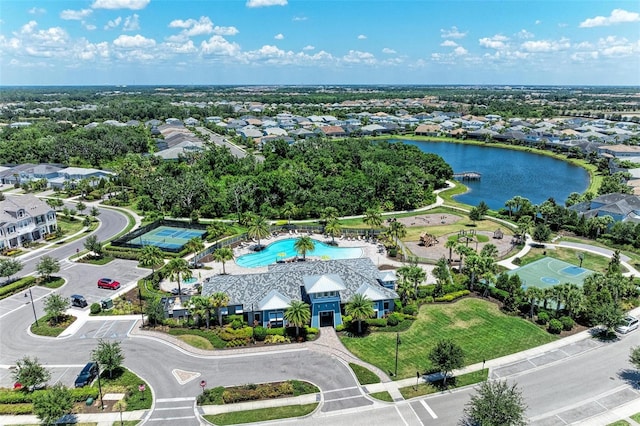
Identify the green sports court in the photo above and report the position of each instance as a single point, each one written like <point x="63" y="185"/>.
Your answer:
<point x="547" y="272"/>
<point x="166" y="237"/>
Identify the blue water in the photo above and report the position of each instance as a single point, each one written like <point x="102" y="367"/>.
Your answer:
<point x="507" y="173"/>
<point x="190" y="280"/>
<point x="283" y="249"/>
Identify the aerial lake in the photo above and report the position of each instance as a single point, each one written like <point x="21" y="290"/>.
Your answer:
<point x="507" y="173"/>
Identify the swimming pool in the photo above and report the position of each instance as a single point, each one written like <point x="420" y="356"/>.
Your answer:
<point x="283" y="249"/>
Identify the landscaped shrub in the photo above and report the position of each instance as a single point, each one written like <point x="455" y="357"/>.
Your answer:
<point x="16" y="409"/>
<point x="277" y="339"/>
<point x="516" y="261"/>
<point x="377" y="322"/>
<point x="229" y="334"/>
<point x="259" y="333"/>
<point x="275" y="331"/>
<point x="567" y="323"/>
<point x="449" y="297"/>
<point x="410" y="310"/>
<point x="257" y="392"/>
<point x="424" y="291"/>
<point x="394" y="319"/>
<point x="16" y="287"/>
<point x="236" y="324"/>
<point x="231" y="318"/>
<point x="312" y="330"/>
<point x="211" y="396"/>
<point x="95" y="308"/>
<point x="543" y="318"/>
<point x="452" y="288"/>
<point x="555" y="326"/>
<point x="496" y="293"/>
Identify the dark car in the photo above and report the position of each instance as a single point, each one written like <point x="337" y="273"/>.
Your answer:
<point x="86" y="376"/>
<point x="196" y="265"/>
<point x="108" y="283"/>
<point x="78" y="301"/>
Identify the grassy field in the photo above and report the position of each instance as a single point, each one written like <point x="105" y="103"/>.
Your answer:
<point x="452" y="383"/>
<point x="44" y="329"/>
<point x="476" y="325"/>
<point x="196" y="341"/>
<point x="364" y="375"/>
<point x="261" y="415"/>
<point x="591" y="261"/>
<point x="382" y="396"/>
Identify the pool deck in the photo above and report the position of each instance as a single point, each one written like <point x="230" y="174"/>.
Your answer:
<point x="369" y="250"/>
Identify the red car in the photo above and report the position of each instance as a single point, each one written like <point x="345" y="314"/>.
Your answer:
<point x="108" y="283"/>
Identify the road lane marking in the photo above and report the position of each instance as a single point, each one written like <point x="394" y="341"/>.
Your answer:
<point x="186" y="407"/>
<point x="416" y="414"/>
<point x="171" y="418"/>
<point x="186" y="398"/>
<point x="425" y="405"/>
<point x="338" y="390"/>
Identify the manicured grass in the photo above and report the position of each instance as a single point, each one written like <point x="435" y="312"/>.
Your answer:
<point x="476" y="325"/>
<point x="261" y="415"/>
<point x="635" y="417"/>
<point x="127" y="382"/>
<point x="364" y="375"/>
<point x="619" y="423"/>
<point x="591" y="261"/>
<point x="52" y="282"/>
<point x="382" y="396"/>
<point x="126" y="423"/>
<point x="196" y="341"/>
<point x="452" y="383"/>
<point x="45" y="329"/>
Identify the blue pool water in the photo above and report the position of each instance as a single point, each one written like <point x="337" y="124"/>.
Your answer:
<point x="283" y="249"/>
<point x="190" y="280"/>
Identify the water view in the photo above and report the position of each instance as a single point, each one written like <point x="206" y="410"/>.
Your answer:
<point x="507" y="173"/>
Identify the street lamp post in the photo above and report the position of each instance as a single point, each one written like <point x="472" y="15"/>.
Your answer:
<point x="397" y="344"/>
<point x="100" y="387"/>
<point x="32" y="306"/>
<point x="141" y="311"/>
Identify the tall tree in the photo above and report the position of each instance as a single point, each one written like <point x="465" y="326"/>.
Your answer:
<point x="451" y="244"/>
<point x="303" y="245"/>
<point x="194" y="245"/>
<point x="108" y="355"/>
<point x="52" y="404"/>
<point x="55" y="305"/>
<point x="47" y="266"/>
<point x="222" y="255"/>
<point x="446" y="356"/>
<point x="258" y="228"/>
<point x="178" y="269"/>
<point x="359" y="307"/>
<point x="219" y="300"/>
<point x="151" y="256"/>
<point x="533" y="295"/>
<point x="373" y="218"/>
<point x="333" y="228"/>
<point x="496" y="404"/>
<point x="154" y="310"/>
<point x="9" y="267"/>
<point x="197" y="306"/>
<point x="413" y="273"/>
<point x="298" y="314"/>
<point x="30" y="373"/>
<point x="91" y="243"/>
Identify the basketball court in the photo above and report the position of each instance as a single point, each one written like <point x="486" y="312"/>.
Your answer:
<point x="547" y="272"/>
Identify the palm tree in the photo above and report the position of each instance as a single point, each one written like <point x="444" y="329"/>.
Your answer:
<point x="359" y="308"/>
<point x="462" y="251"/>
<point x="219" y="300"/>
<point x="490" y="250"/>
<point x="150" y="256"/>
<point x="534" y="294"/>
<point x="398" y="229"/>
<point x="197" y="308"/>
<point x="413" y="274"/>
<point x="222" y="255"/>
<point x="258" y="228"/>
<point x="303" y="245"/>
<point x="178" y="268"/>
<point x="373" y="218"/>
<point x="450" y="244"/>
<point x="333" y="228"/>
<point x="329" y="214"/>
<point x="194" y="245"/>
<point x="289" y="209"/>
<point x="298" y="314"/>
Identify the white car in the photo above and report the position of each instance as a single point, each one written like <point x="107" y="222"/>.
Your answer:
<point x="629" y="324"/>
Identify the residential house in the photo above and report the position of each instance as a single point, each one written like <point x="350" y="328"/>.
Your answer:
<point x="327" y="286"/>
<point x="24" y="219"/>
<point x="621" y="207"/>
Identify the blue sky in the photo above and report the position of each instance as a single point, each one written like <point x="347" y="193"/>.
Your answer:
<point x="507" y="42"/>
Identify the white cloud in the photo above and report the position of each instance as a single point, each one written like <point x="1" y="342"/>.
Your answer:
<point x="89" y="27"/>
<point x="75" y="15"/>
<point x="613" y="46"/>
<point x="202" y="26"/>
<point x="279" y="36"/>
<point x="134" y="42"/>
<point x="299" y="18"/>
<point x="35" y="42"/>
<point x="538" y="22"/>
<point x="497" y="42"/>
<point x="120" y="4"/>
<point x="131" y="23"/>
<point x="308" y="47"/>
<point x="460" y="51"/>
<point x="618" y="16"/>
<point x="266" y="3"/>
<point x="113" y="23"/>
<point x="452" y="32"/>
<point x="225" y="31"/>
<point x="539" y="46"/>
<point x="362" y="37"/>
<point x="448" y="43"/>
<point x="218" y="45"/>
<point x="388" y="51"/>
<point x="37" y="11"/>
<point x="524" y="34"/>
<point x="180" y="48"/>
<point x="356" y="57"/>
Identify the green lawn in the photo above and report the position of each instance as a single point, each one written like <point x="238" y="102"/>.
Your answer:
<point x="452" y="383"/>
<point x="476" y="325"/>
<point x="261" y="415"/>
<point x="364" y="375"/>
<point x="44" y="328"/>
<point x="382" y="396"/>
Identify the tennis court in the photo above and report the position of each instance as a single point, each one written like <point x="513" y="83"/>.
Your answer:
<point x="167" y="237"/>
<point x="547" y="272"/>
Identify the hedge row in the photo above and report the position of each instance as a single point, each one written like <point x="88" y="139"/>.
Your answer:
<point x="16" y="409"/>
<point x="16" y="287"/>
<point x="449" y="297"/>
<point x="9" y="396"/>
<point x="257" y="392"/>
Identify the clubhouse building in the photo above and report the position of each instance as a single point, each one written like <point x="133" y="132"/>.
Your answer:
<point x="327" y="286"/>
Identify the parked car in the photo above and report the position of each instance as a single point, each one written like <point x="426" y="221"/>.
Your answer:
<point x="87" y="375"/>
<point x="196" y="265"/>
<point x="78" y="301"/>
<point x="629" y="324"/>
<point x="108" y="283"/>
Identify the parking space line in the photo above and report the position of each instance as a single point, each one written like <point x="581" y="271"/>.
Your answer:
<point x="429" y="410"/>
<point x="401" y="416"/>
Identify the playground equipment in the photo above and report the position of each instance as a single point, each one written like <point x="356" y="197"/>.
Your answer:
<point x="428" y="240"/>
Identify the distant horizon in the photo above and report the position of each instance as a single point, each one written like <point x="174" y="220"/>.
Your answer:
<point x="461" y="85"/>
<point x="320" y="42"/>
